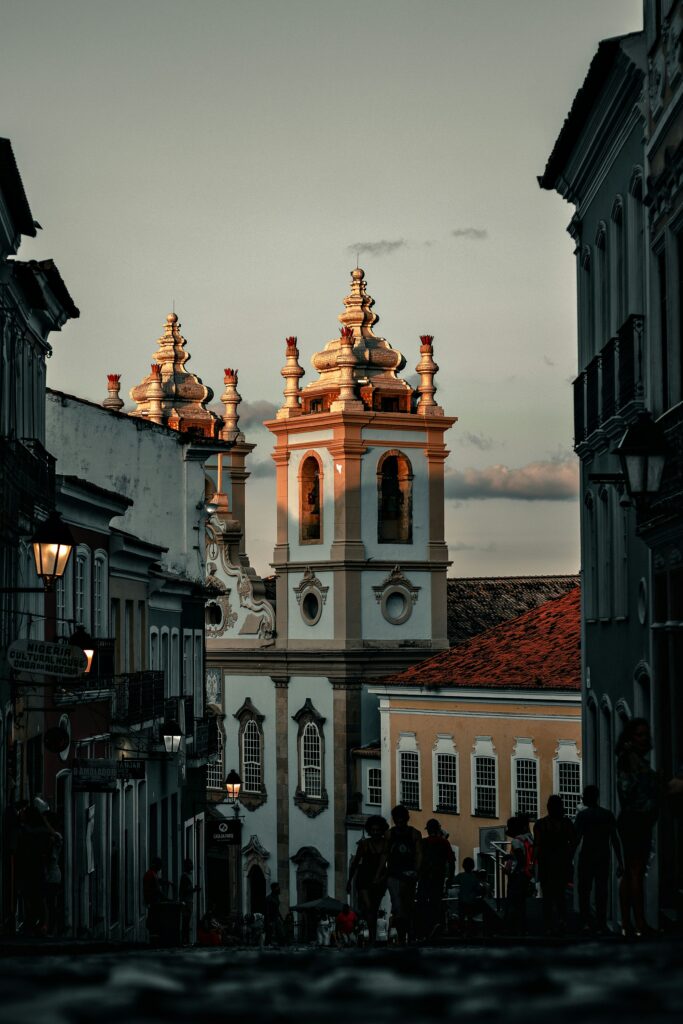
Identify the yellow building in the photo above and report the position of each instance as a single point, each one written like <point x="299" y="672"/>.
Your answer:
<point x="485" y="730"/>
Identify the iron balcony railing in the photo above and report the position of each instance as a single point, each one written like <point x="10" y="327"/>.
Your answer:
<point x="139" y="698"/>
<point x="611" y="382"/>
<point x="27" y="478"/>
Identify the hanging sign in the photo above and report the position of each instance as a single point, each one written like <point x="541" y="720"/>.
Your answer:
<point x="48" y="659"/>
<point x="94" y="775"/>
<point x="225" y="833"/>
<point x="131" y="768"/>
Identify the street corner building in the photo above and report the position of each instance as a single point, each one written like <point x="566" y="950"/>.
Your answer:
<point x="486" y="730"/>
<point x="619" y="161"/>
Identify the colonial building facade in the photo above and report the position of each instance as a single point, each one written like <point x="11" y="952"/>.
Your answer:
<point x="617" y="160"/>
<point x="360" y="560"/>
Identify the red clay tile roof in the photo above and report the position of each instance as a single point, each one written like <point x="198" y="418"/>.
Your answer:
<point x="476" y="604"/>
<point x="538" y="650"/>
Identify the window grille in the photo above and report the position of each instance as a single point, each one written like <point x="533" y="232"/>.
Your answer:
<point x="447" y="781"/>
<point x="410" y="778"/>
<point x="80" y="589"/>
<point x="569" y="785"/>
<point x="485" y="786"/>
<point x="60" y="592"/>
<point x="98" y="596"/>
<point x="215" y="771"/>
<point x="251" y="758"/>
<point x="526" y="786"/>
<point x="311" y="761"/>
<point x="375" y="786"/>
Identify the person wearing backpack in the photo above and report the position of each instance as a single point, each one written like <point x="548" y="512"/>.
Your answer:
<point x="555" y="841"/>
<point x="403" y="860"/>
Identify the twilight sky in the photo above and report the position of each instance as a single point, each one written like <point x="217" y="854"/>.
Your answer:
<point x="234" y="156"/>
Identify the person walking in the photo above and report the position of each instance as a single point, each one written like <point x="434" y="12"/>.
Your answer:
<point x="519" y="868"/>
<point x="368" y="870"/>
<point x="403" y="860"/>
<point x="640" y="791"/>
<point x="596" y="831"/>
<point x="275" y="930"/>
<point x="437" y="868"/>
<point x="186" y="891"/>
<point x="554" y="846"/>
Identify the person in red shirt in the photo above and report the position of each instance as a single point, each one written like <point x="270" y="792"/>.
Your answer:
<point x="347" y="920"/>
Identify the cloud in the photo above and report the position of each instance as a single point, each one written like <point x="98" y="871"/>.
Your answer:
<point x="474" y="234"/>
<point x="383" y="248"/>
<point x="461" y="546"/>
<point x="252" y="414"/>
<point x="480" y="441"/>
<point x="260" y="470"/>
<point x="552" y="480"/>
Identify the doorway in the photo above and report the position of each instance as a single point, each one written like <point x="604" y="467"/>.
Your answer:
<point x="256" y="883"/>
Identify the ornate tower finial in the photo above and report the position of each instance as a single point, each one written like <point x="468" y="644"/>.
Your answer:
<point x="292" y="371"/>
<point x="155" y="393"/>
<point x="358" y="314"/>
<point x="113" y="401"/>
<point x="346" y="361"/>
<point x="427" y="369"/>
<point x="230" y="398"/>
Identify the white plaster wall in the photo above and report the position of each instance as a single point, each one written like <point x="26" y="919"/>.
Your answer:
<point x="263" y="821"/>
<point x="144" y="463"/>
<point x="371" y="435"/>
<point x="324" y="627"/>
<point x="304" y="831"/>
<point x="395" y="552"/>
<point x="310" y="552"/>
<point x="376" y="627"/>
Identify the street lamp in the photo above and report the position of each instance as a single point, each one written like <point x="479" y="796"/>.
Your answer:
<point x="52" y="546"/>
<point x="642" y="452"/>
<point x="172" y="735"/>
<point x="81" y="638"/>
<point x="233" y="784"/>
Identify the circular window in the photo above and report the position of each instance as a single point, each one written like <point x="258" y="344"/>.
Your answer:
<point x="397" y="605"/>
<point x="311" y="607"/>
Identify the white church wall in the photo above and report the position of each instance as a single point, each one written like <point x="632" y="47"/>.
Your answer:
<point x="323" y="629"/>
<point x="416" y="627"/>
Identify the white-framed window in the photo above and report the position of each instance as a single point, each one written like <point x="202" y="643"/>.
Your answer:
<point x="606" y="561"/>
<point x="484" y="778"/>
<point x="620" y="531"/>
<point x="198" y="673"/>
<point x="101" y="594"/>
<point x="187" y="662"/>
<point x="82" y="588"/>
<point x="64" y="594"/>
<point x="175" y="663"/>
<point x="251" y="757"/>
<point x="567" y="780"/>
<point x="154" y="649"/>
<point x="215" y="770"/>
<point x="311" y="761"/>
<point x="524" y="778"/>
<point x="409" y="778"/>
<point x="445" y="775"/>
<point x="374" y="797"/>
<point x="164" y="648"/>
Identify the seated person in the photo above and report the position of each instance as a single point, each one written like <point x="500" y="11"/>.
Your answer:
<point x="209" y="931"/>
<point x="346" y="926"/>
<point x="382" y="927"/>
<point x="471" y="891"/>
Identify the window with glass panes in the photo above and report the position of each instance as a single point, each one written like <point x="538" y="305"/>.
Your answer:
<point x="80" y="589"/>
<point x="98" y="597"/>
<point x="311" y="763"/>
<point x="569" y="785"/>
<point x="215" y="770"/>
<point x="526" y="786"/>
<point x="251" y="758"/>
<point x="375" y="786"/>
<point x="410" y="778"/>
<point x="485" y="786"/>
<point x="447" y="781"/>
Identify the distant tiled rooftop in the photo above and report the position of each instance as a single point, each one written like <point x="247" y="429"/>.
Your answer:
<point x="540" y="649"/>
<point x="476" y="604"/>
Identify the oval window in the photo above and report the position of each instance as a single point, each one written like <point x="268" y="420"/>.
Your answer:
<point x="311" y="607"/>
<point x="397" y="606"/>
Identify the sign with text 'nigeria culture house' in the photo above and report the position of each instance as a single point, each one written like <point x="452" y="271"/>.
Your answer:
<point x="47" y="659"/>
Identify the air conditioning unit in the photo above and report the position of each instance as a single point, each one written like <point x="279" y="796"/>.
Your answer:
<point x="489" y="836"/>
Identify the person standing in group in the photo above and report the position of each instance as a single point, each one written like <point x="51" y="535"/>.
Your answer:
<point x="403" y="859"/>
<point x="152" y="893"/>
<point x="639" y="789"/>
<point x="32" y="857"/>
<point x="554" y="844"/>
<point x="345" y="927"/>
<point x="368" y="869"/>
<point x="437" y="868"/>
<point x="519" y="868"/>
<point x="596" y="831"/>
<point x="186" y="891"/>
<point x="275" y="929"/>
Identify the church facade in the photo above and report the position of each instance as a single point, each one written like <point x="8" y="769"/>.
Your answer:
<point x="360" y="564"/>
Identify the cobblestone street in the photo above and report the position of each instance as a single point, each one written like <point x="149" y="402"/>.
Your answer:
<point x="586" y="982"/>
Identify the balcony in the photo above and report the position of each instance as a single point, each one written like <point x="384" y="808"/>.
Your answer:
<point x="27" y="478"/>
<point x="610" y="386"/>
<point x="139" y="698"/>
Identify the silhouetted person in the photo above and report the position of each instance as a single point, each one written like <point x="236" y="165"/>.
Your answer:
<point x="639" y="789"/>
<point x="437" y="866"/>
<point x="33" y="850"/>
<point x="152" y="893"/>
<point x="186" y="891"/>
<point x="554" y="844"/>
<point x="275" y="930"/>
<point x="596" y="830"/>
<point x="368" y="868"/>
<point x="471" y="892"/>
<point x="519" y="870"/>
<point x="403" y="858"/>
